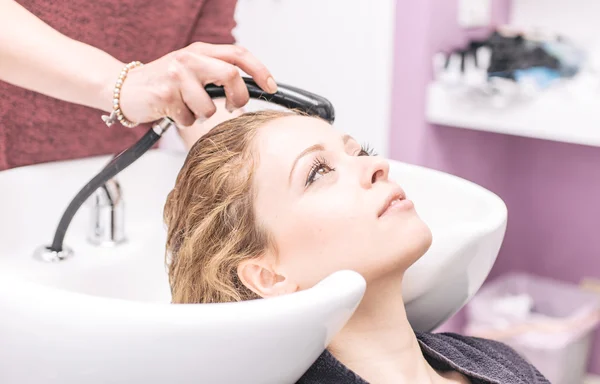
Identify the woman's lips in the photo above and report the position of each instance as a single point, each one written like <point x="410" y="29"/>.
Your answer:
<point x="398" y="205"/>
<point x="396" y="202"/>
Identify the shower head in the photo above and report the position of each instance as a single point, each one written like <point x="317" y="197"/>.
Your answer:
<point x="286" y="96"/>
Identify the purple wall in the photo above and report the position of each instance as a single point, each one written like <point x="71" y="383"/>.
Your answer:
<point x="552" y="190"/>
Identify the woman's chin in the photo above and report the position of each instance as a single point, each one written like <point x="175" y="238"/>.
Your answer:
<point x="423" y="240"/>
<point x="426" y="238"/>
<point x="409" y="247"/>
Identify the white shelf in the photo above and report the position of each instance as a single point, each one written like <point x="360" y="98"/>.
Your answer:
<point x="565" y="114"/>
<point x="592" y="379"/>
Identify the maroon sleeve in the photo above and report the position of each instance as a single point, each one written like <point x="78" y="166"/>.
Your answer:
<point x="215" y="22"/>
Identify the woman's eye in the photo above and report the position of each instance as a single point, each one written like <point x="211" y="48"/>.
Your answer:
<point x="365" y="150"/>
<point x="320" y="168"/>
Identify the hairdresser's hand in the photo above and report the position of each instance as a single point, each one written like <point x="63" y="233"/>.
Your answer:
<point x="174" y="84"/>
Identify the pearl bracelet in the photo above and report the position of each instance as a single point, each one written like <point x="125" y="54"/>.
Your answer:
<point x="117" y="114"/>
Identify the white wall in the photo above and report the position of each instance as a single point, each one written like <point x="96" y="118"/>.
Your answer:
<point x="340" y="49"/>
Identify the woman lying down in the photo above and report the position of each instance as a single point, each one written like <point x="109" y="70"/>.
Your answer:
<point x="271" y="203"/>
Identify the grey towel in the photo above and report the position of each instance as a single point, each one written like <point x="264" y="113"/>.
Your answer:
<point x="482" y="361"/>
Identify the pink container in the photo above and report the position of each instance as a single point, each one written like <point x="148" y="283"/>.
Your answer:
<point x="550" y="323"/>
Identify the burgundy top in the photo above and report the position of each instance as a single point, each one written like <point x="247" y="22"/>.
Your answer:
<point x="35" y="128"/>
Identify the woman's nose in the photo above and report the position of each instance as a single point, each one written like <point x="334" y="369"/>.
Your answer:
<point x="378" y="170"/>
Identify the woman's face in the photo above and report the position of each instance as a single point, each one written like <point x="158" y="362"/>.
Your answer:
<point x="326" y="204"/>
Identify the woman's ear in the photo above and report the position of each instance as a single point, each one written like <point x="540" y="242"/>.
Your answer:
<point x="260" y="276"/>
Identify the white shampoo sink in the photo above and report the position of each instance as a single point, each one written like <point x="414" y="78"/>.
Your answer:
<point x="104" y="317"/>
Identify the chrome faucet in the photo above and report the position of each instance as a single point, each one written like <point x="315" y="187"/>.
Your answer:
<point x="107" y="219"/>
<point x="107" y="202"/>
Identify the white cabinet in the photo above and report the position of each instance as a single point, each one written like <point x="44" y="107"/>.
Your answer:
<point x="566" y="113"/>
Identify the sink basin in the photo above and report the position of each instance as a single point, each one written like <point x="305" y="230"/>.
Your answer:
<point x="104" y="317"/>
<point x="468" y="224"/>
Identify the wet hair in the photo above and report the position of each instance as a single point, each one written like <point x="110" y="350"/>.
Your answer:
<point x="210" y="218"/>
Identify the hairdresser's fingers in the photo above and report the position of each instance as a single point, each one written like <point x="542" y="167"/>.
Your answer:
<point x="195" y="97"/>
<point x="210" y="70"/>
<point x="179" y="112"/>
<point x="242" y="58"/>
<point x="221" y="73"/>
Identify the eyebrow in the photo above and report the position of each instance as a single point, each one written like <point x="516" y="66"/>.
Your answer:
<point x="311" y="149"/>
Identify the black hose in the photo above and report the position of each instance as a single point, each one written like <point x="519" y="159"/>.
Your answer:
<point x="116" y="165"/>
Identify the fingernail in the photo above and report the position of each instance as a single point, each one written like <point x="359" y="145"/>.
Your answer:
<point x="272" y="85"/>
<point x="200" y="119"/>
<point x="229" y="107"/>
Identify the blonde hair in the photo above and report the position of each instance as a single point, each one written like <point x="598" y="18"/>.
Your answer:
<point x="211" y="225"/>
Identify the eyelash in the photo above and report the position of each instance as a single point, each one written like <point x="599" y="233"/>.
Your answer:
<point x="320" y="163"/>
<point x="366" y="150"/>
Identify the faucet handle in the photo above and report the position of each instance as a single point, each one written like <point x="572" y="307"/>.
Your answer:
<point x="107" y="215"/>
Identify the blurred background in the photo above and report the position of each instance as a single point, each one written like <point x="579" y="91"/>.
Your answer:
<point x="505" y="93"/>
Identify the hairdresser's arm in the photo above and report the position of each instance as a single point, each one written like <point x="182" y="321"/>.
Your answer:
<point x="39" y="58"/>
